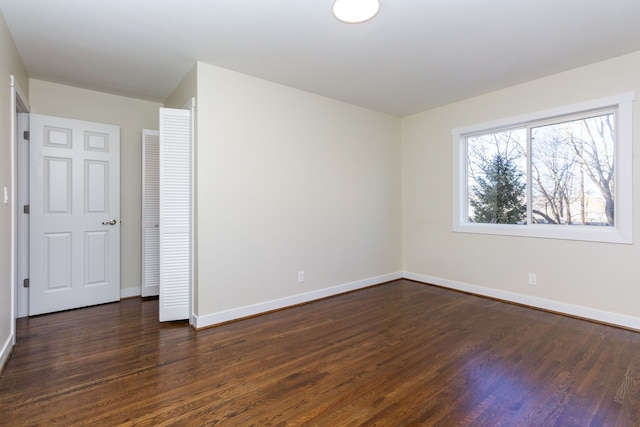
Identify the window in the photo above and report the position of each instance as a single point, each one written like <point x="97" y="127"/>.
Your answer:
<point x="563" y="173"/>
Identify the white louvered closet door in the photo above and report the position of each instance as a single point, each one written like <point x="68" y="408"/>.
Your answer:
<point x="150" y="213"/>
<point x="175" y="214"/>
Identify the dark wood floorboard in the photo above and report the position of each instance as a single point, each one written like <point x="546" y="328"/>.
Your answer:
<point x="398" y="354"/>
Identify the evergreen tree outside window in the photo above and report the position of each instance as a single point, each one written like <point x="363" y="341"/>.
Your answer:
<point x="499" y="195"/>
<point x="497" y="177"/>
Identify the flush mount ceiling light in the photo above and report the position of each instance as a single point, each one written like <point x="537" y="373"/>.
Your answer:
<point x="355" y="11"/>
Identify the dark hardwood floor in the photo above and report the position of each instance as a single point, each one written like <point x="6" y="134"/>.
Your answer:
<point x="398" y="354"/>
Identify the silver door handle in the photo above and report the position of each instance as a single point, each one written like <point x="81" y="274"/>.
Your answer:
<point x="112" y="222"/>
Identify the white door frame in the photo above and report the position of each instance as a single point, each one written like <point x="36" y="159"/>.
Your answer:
<point x="19" y="104"/>
<point x="22" y="219"/>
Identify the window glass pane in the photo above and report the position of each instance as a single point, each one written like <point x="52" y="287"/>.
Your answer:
<point x="496" y="177"/>
<point x="572" y="172"/>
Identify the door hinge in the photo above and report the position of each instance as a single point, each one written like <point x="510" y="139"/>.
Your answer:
<point x="25" y="283"/>
<point x="26" y="135"/>
<point x="26" y="209"/>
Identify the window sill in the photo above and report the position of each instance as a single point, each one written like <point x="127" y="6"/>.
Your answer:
<point x="561" y="232"/>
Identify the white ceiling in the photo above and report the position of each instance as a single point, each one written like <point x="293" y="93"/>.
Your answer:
<point x="415" y="55"/>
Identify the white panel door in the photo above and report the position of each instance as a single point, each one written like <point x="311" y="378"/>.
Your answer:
<point x="74" y="219"/>
<point x="175" y="214"/>
<point x="150" y="213"/>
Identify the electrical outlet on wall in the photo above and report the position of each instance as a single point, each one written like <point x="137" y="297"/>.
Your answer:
<point x="300" y="276"/>
<point x="533" y="279"/>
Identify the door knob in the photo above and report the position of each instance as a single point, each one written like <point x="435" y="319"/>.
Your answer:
<point x="112" y="222"/>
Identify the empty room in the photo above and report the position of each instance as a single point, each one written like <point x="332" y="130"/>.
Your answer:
<point x="349" y="212"/>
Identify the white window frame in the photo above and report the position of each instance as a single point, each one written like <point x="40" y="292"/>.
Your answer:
<point x="622" y="232"/>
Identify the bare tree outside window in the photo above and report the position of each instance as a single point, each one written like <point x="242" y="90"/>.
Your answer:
<point x="572" y="168"/>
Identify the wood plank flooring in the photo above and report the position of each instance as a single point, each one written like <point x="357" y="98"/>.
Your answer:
<point x="398" y="354"/>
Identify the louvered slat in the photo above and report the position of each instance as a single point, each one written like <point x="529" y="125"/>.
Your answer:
<point x="175" y="213"/>
<point x="150" y="213"/>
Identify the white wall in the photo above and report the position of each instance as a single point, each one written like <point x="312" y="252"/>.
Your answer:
<point x="185" y="90"/>
<point x="132" y="115"/>
<point x="10" y="64"/>
<point x="290" y="181"/>
<point x="603" y="278"/>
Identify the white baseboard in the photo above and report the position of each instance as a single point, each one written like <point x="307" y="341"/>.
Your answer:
<point x="545" y="304"/>
<point x="277" y="304"/>
<point x="129" y="292"/>
<point x="6" y="351"/>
